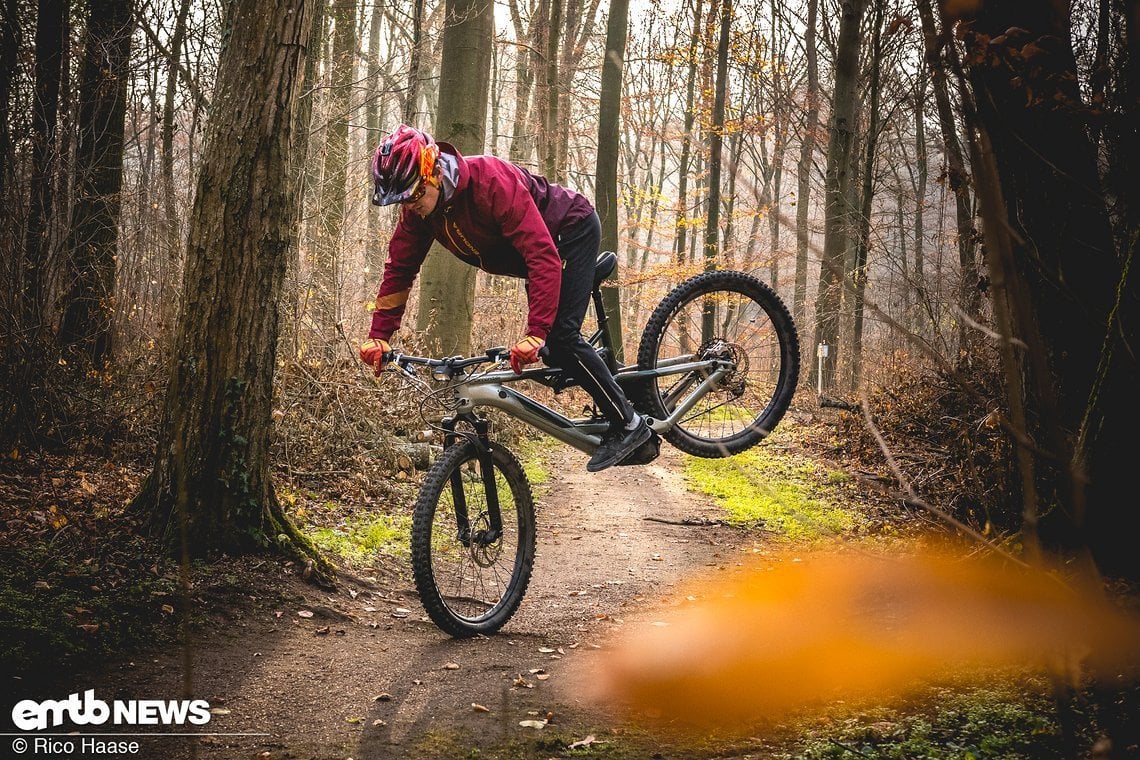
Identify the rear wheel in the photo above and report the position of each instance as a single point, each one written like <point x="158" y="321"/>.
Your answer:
<point x="736" y="318"/>
<point x="470" y="576"/>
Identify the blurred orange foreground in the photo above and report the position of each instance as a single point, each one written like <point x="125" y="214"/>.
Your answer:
<point x="844" y="625"/>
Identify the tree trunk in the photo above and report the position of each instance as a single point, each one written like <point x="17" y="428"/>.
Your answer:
<point x="609" y="137"/>
<point x="863" y="239"/>
<point x="682" y="224"/>
<point x="411" y="100"/>
<point x="969" y="294"/>
<point x="171" y="233"/>
<point x="447" y="285"/>
<point x="85" y="329"/>
<point x="211" y="480"/>
<point x="838" y="191"/>
<point x="374" y="255"/>
<point x="51" y="37"/>
<point x="1069" y="294"/>
<point x="522" y="143"/>
<point x="329" y="252"/>
<point x="804" y="168"/>
<point x="550" y="117"/>
<point x="716" y="146"/>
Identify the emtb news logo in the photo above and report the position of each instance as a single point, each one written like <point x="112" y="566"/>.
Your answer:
<point x="29" y="715"/>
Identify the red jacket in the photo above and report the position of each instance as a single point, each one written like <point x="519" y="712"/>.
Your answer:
<point x="502" y="219"/>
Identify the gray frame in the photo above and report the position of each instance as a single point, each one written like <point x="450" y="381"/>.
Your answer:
<point x="490" y="390"/>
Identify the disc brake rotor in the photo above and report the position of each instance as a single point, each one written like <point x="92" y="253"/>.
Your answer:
<point x="734" y="380"/>
<point x="484" y="554"/>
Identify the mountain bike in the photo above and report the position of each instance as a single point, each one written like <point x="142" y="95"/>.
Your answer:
<point x="716" y="368"/>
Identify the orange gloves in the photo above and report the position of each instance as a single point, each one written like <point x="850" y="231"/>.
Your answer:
<point x="372" y="353"/>
<point x="525" y="352"/>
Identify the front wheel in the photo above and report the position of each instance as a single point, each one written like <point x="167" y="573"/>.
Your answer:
<point x="737" y="319"/>
<point x="471" y="565"/>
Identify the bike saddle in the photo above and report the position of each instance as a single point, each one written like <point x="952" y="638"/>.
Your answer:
<point x="607" y="262"/>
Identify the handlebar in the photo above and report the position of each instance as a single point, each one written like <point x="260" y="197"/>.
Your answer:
<point x="499" y="353"/>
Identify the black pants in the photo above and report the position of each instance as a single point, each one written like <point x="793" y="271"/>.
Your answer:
<point x="566" y="348"/>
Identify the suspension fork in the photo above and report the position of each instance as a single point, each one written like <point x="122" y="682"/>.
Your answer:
<point x="483" y="445"/>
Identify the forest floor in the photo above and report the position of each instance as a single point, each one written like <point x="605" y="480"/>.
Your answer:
<point x="293" y="671"/>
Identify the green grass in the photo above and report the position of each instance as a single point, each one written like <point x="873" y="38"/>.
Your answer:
<point x="361" y="538"/>
<point x="1009" y="718"/>
<point x="779" y="491"/>
<point x="532" y="454"/>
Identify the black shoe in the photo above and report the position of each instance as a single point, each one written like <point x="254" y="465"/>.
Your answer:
<point x="645" y="453"/>
<point x="617" y="445"/>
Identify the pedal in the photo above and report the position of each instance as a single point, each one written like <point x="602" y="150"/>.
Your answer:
<point x="645" y="453"/>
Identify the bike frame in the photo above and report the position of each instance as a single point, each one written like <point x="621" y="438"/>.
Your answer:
<point x="491" y="389"/>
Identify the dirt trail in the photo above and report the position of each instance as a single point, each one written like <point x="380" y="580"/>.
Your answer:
<point x="311" y="684"/>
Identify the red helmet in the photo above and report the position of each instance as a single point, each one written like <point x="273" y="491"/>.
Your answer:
<point x="404" y="159"/>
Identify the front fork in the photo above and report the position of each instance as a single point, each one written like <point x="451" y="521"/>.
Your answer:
<point x="482" y="440"/>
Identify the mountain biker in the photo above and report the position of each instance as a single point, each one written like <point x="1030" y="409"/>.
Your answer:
<point x="501" y="218"/>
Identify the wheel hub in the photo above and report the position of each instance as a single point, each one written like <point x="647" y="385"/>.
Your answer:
<point x="734" y="380"/>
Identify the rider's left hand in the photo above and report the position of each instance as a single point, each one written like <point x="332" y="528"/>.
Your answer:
<point x="525" y="352"/>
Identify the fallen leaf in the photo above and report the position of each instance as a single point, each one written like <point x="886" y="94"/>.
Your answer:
<point x="354" y="719"/>
<point x="379" y="722"/>
<point x="542" y="676"/>
<point x="479" y="708"/>
<point x="322" y="631"/>
<point x="304" y="613"/>
<point x="537" y="724"/>
<point x="169" y="610"/>
<point x="219" y="711"/>
<point x="545" y="650"/>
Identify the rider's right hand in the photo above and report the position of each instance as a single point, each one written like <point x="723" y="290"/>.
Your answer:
<point x="372" y="353"/>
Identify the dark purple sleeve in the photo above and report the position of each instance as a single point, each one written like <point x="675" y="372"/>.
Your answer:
<point x="406" y="252"/>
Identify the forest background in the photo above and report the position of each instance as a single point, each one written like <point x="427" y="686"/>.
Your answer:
<point x="942" y="195"/>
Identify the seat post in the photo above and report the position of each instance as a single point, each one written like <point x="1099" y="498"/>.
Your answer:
<point x="605" y="266"/>
<point x="603" y="328"/>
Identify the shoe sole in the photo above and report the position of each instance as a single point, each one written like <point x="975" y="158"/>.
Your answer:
<point x="621" y="454"/>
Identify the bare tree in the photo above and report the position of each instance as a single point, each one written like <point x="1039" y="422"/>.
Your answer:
<point x="447" y="285"/>
<point x="210" y="481"/>
<point x="92" y="242"/>
<point x="606" y="195"/>
<point x="841" y="146"/>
